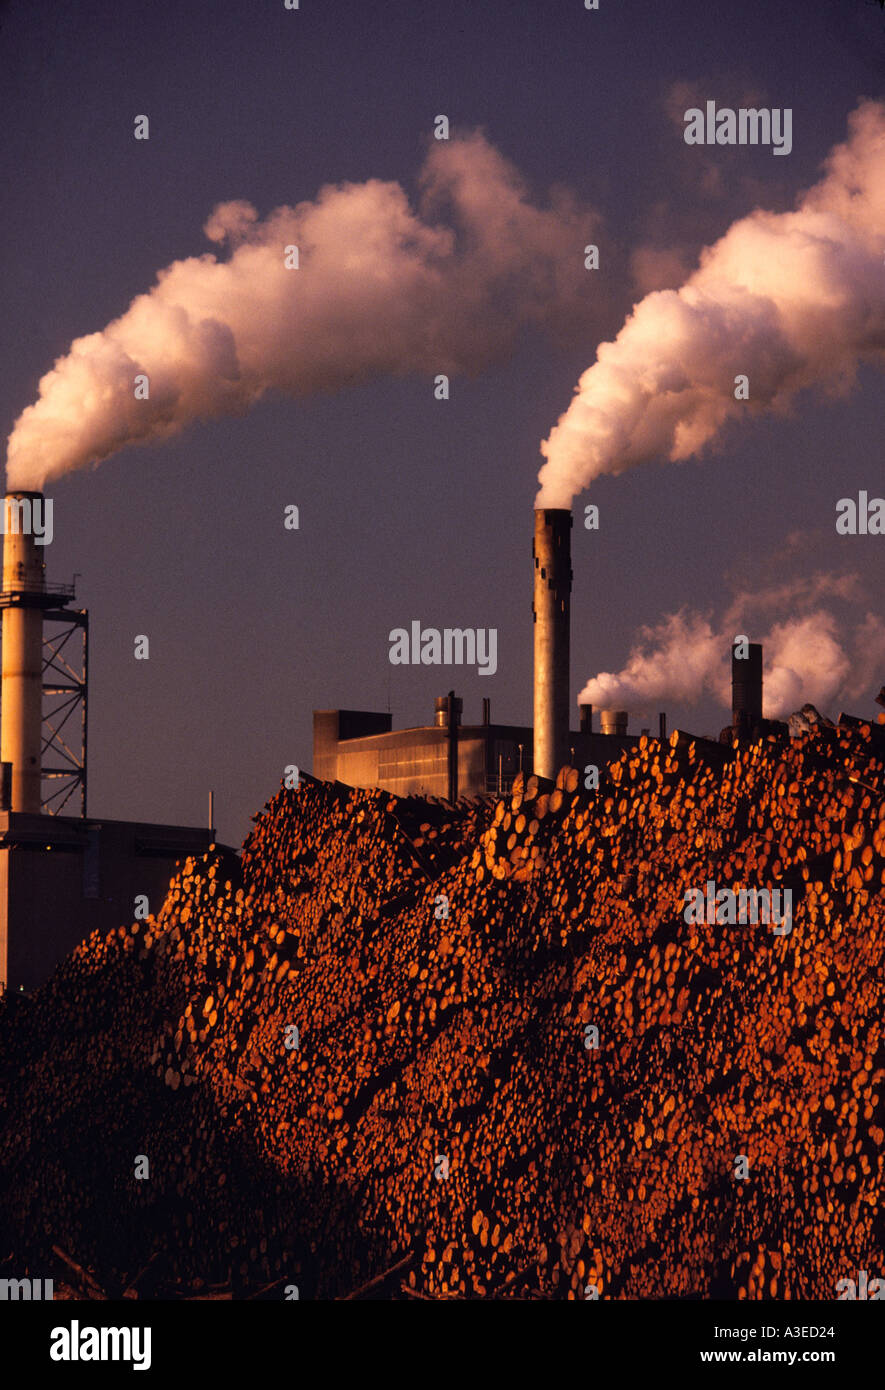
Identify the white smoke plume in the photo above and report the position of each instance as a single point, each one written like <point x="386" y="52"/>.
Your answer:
<point x="791" y="300"/>
<point x="380" y="289"/>
<point x="813" y="656"/>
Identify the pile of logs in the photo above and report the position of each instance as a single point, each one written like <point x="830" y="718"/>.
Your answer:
<point x="409" y="1049"/>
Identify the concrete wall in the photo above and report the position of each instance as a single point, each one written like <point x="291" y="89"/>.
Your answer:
<point x="62" y="878"/>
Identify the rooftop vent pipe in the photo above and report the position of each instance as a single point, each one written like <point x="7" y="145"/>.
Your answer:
<point x="613" y="721"/>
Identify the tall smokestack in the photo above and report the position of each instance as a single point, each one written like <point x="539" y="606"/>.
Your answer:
<point x="21" y="696"/>
<point x="553" y="586"/>
<point x="746" y="689"/>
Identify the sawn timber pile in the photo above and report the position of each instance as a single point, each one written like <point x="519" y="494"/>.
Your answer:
<point x="441" y="1122"/>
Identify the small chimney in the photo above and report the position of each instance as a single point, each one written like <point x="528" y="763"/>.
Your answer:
<point x="613" y="721"/>
<point x="746" y="689"/>
<point x="586" y="713"/>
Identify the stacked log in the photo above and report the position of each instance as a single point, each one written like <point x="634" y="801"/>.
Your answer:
<point x="516" y="1070"/>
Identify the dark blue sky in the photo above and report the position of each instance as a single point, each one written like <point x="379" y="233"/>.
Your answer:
<point x="409" y="508"/>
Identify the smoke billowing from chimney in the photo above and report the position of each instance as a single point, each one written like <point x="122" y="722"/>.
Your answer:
<point x="380" y="289"/>
<point x="814" y="656"/>
<point x="791" y="300"/>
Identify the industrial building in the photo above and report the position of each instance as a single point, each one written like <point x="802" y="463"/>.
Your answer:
<point x="446" y="758"/>
<point x="450" y="759"/>
<point x="64" y="876"/>
<point x="61" y="877"/>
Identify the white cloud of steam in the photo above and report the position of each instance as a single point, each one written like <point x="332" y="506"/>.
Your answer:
<point x="677" y="659"/>
<point x="381" y="290"/>
<point x="792" y="300"/>
<point x="804" y="661"/>
<point x="812" y="656"/>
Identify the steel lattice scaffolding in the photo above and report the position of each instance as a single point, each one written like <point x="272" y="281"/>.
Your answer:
<point x="65" y="680"/>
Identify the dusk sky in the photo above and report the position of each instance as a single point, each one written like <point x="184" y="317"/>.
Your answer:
<point x="411" y="507"/>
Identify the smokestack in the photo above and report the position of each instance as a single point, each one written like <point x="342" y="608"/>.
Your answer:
<point x="553" y="585"/>
<point x="21" y="697"/>
<point x="613" y="721"/>
<point x="586" y="714"/>
<point x="662" y="726"/>
<point x="746" y="690"/>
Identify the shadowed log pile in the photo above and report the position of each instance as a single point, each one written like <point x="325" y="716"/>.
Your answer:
<point x="441" y="1124"/>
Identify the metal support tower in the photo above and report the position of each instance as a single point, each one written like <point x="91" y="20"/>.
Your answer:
<point x="66" y="680"/>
